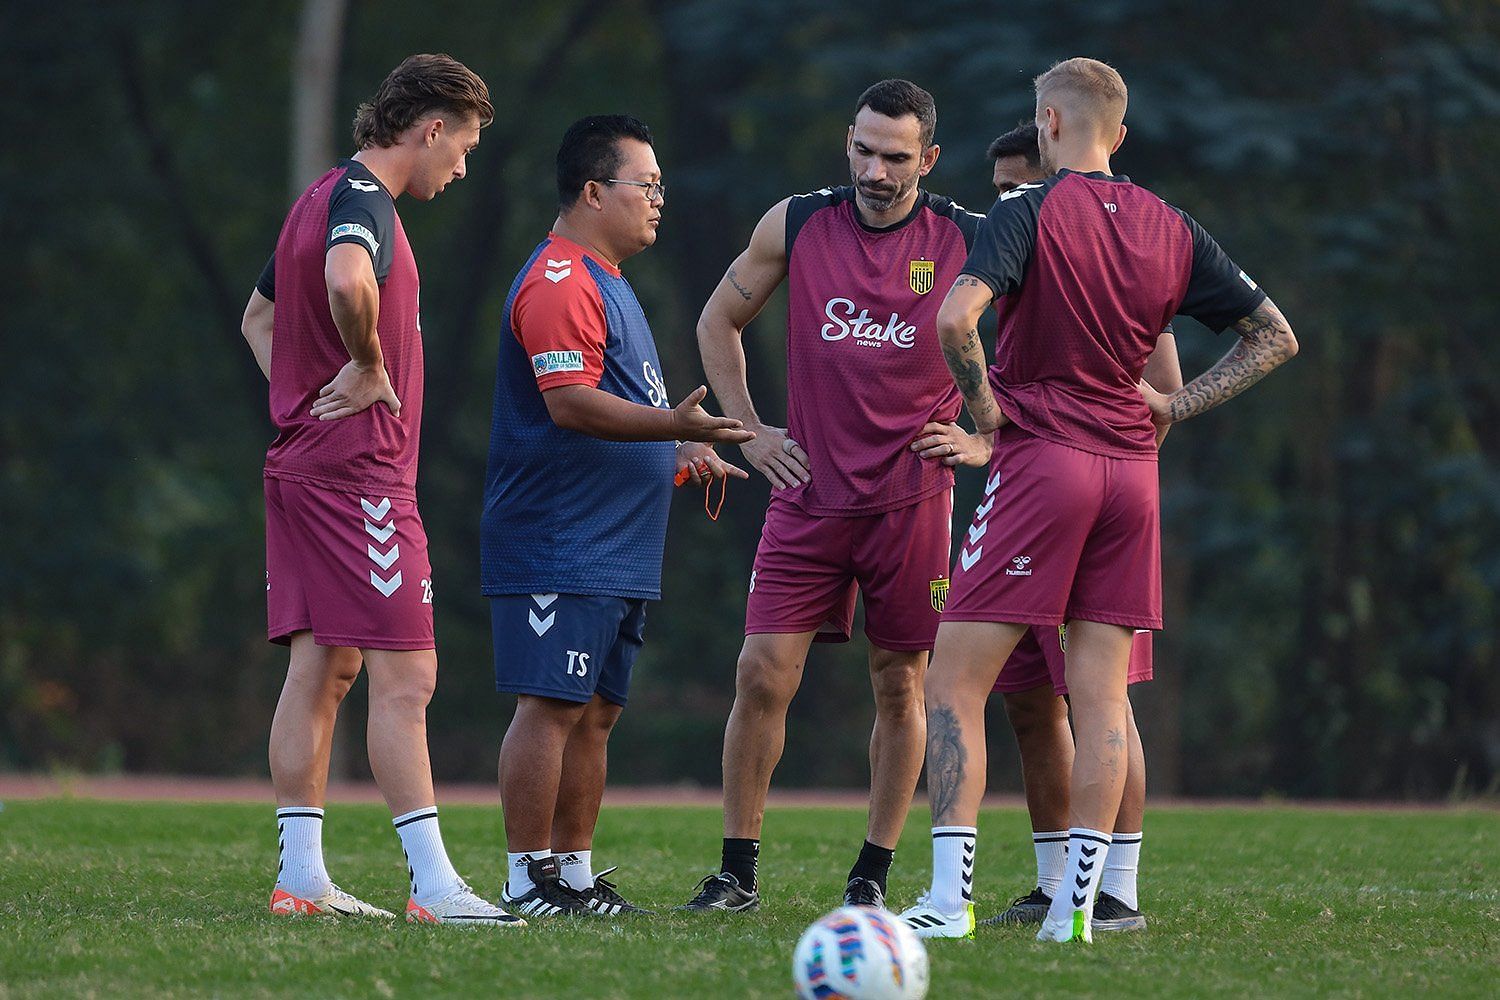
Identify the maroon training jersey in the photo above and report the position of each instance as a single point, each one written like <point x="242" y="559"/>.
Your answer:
<point x="1091" y="269"/>
<point x="864" y="367"/>
<point x="372" y="452"/>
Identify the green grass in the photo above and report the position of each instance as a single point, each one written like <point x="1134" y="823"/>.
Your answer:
<point x="109" y="899"/>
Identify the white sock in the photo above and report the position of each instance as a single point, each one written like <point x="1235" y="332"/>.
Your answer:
<point x="300" y="832"/>
<point x="577" y="869"/>
<point x="952" y="868"/>
<point x="1051" y="857"/>
<point x="519" y="879"/>
<point x="432" y="874"/>
<point x="1120" y="868"/>
<point x="1080" y="884"/>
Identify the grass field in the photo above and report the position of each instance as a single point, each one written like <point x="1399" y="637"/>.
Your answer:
<point x="132" y="899"/>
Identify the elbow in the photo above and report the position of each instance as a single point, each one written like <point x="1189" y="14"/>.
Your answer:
<point x="1289" y="346"/>
<point x="562" y="413"/>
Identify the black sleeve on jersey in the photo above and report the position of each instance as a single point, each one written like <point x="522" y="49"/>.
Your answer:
<point x="1007" y="238"/>
<point x="360" y="212"/>
<point x="803" y="206"/>
<point x="266" y="283"/>
<point x="1218" y="292"/>
<point x="968" y="222"/>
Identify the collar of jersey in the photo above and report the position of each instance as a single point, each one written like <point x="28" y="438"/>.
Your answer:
<point x="354" y="164"/>
<point x="916" y="207"/>
<point x="1095" y="175"/>
<point x="585" y="253"/>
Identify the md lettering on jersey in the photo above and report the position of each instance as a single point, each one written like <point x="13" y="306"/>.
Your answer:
<point x="863" y="329"/>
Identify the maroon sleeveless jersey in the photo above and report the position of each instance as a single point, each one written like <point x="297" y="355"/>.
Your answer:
<point x="865" y="371"/>
<point x="372" y="452"/>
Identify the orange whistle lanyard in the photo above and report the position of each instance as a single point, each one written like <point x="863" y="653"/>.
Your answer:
<point x="709" y="507"/>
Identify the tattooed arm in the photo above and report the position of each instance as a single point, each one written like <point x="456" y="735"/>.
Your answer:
<point x="958" y="332"/>
<point x="738" y="299"/>
<point x="1266" y="342"/>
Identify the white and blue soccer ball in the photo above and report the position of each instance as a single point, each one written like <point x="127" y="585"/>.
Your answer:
<point x="860" y="953"/>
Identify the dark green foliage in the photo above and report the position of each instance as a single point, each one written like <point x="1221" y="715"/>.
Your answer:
<point x="1332" y="540"/>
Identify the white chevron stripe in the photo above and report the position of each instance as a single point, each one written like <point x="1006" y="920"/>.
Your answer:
<point x="543" y="601"/>
<point x="977" y="531"/>
<point x="992" y="485"/>
<point x="983" y="510"/>
<point x="376" y="512"/>
<point x="381" y="535"/>
<point x="968" y="559"/>
<point x="541" y="625"/>
<point x="386" y="587"/>
<point x="383" y="561"/>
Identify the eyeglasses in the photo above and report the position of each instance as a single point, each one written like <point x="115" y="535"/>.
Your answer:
<point x="654" y="190"/>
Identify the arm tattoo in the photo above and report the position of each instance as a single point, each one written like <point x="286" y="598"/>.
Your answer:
<point x="1265" y="342"/>
<point x="964" y="279"/>
<point x="945" y="761"/>
<point x="744" y="292"/>
<point x="966" y="363"/>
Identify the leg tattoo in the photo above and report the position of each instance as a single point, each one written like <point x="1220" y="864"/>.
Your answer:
<point x="945" y="761"/>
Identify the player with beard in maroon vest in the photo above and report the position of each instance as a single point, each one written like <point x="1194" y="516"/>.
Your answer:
<point x="334" y="325"/>
<point x="861" y="476"/>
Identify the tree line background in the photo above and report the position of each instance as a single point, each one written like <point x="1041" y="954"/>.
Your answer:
<point x="1332" y="541"/>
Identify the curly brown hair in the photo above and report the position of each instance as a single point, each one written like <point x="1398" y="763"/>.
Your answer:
<point x="421" y="85"/>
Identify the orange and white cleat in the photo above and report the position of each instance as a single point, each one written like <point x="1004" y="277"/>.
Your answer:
<point x="461" y="906"/>
<point x="333" y="903"/>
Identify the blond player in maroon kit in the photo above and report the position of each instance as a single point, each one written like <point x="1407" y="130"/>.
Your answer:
<point x="334" y="325"/>
<point x="1088" y="269"/>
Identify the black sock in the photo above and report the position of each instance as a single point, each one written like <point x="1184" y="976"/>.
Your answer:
<point x="741" y="855"/>
<point x="874" y="864"/>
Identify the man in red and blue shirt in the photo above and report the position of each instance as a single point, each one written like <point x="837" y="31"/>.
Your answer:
<point x="334" y="325"/>
<point x="576" y="495"/>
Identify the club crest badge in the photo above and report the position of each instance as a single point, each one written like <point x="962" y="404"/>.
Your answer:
<point x="939" y="593"/>
<point x="922" y="272"/>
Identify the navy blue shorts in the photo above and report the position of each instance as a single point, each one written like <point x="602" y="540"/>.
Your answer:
<point x="566" y="646"/>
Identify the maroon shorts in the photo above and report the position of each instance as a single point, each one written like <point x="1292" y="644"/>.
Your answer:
<point x="1061" y="534"/>
<point x="809" y="569"/>
<point x="1038" y="659"/>
<point x="351" y="568"/>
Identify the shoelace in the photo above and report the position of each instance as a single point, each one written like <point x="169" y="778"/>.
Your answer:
<point x="706" y="887"/>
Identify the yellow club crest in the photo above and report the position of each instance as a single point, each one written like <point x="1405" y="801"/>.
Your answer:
<point x="940" y="585"/>
<point x="922" y="272"/>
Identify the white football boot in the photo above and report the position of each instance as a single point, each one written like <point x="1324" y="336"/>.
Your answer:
<point x="333" y="903"/>
<point x="462" y="906"/>
<point x="927" y="921"/>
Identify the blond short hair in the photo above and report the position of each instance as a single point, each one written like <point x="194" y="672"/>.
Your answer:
<point x="1088" y="87"/>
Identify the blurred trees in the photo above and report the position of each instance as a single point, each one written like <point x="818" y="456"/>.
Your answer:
<point x="1333" y="539"/>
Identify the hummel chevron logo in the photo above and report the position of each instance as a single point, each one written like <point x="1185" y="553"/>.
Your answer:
<point x="557" y="270"/>
<point x="992" y="485"/>
<point x="544" y="601"/>
<point x="983" y="510"/>
<point x="541" y="625"/>
<point x="1086" y="866"/>
<point x="376" y="512"/>
<point x="968" y="559"/>
<point x="1079" y="900"/>
<point x="1087" y="851"/>
<point x="1082" y="882"/>
<point x="381" y="535"/>
<point x="386" y="587"/>
<point x="383" y="561"/>
<point x="976" y="531"/>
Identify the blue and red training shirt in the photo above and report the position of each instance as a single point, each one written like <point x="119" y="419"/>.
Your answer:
<point x="565" y="512"/>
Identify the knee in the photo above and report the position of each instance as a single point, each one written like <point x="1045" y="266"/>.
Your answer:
<point x="343" y="666"/>
<point x="409" y="694"/>
<point x="764" y="682"/>
<point x="899" y="689"/>
<point x="1034" y="713"/>
<point x="598" y="721"/>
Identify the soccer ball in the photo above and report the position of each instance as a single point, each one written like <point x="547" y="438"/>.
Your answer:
<point x="860" y="953"/>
